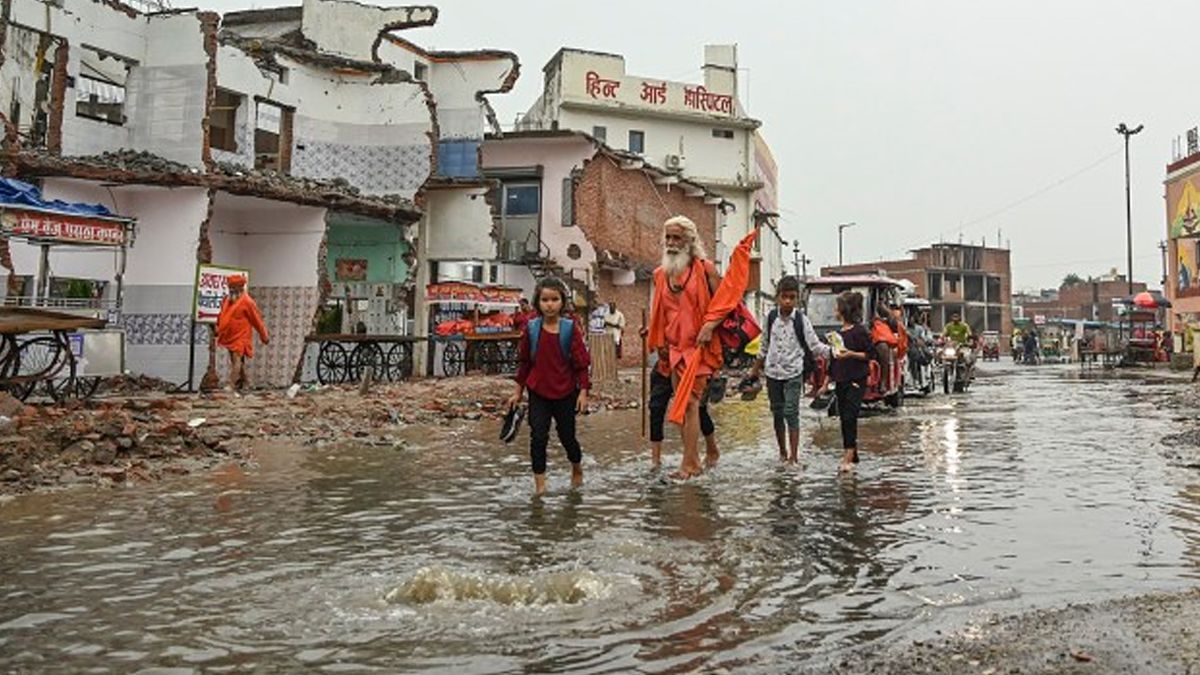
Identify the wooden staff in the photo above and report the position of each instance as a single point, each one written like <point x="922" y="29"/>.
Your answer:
<point x="645" y="374"/>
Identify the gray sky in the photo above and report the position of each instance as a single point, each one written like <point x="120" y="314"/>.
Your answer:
<point x="916" y="119"/>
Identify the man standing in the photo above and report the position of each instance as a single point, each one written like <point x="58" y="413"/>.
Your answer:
<point x="683" y="288"/>
<point x="525" y="314"/>
<point x="614" y="322"/>
<point x="236" y="324"/>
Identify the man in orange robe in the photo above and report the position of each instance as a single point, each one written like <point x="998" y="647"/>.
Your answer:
<point x="236" y="325"/>
<point x="684" y="314"/>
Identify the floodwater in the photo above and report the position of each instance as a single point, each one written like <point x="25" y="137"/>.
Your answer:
<point x="1035" y="489"/>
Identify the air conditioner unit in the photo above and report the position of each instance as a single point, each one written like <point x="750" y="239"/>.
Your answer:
<point x="675" y="162"/>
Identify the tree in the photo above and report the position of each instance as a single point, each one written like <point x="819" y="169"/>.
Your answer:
<point x="1071" y="279"/>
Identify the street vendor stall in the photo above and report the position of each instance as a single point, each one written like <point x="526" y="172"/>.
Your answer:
<point x="70" y="349"/>
<point x="472" y="328"/>
<point x="1143" y="327"/>
<point x="37" y="348"/>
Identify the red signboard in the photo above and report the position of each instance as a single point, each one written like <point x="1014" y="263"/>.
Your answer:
<point x="61" y="228"/>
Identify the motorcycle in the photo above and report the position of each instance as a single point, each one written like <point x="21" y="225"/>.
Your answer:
<point x="957" y="367"/>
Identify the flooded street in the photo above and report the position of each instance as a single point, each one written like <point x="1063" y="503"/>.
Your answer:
<point x="1035" y="489"/>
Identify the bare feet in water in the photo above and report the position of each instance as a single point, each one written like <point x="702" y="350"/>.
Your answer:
<point x="848" y="461"/>
<point x="656" y="458"/>
<point x="539" y="484"/>
<point x="576" y="475"/>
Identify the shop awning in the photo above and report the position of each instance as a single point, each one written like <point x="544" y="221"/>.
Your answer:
<point x="25" y="214"/>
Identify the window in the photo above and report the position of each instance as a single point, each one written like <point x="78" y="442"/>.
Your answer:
<point x="521" y="200"/>
<point x="935" y="286"/>
<point x="722" y="133"/>
<point x="993" y="291"/>
<point x="520" y="220"/>
<point x="637" y="142"/>
<point x="600" y="134"/>
<point x="100" y="86"/>
<point x="568" y="201"/>
<point x="952" y="284"/>
<point x="272" y="137"/>
<point x="222" y="123"/>
<point x="420" y="71"/>
<point x="973" y="287"/>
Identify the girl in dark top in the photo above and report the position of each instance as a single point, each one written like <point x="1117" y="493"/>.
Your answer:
<point x="850" y="368"/>
<point x="555" y="371"/>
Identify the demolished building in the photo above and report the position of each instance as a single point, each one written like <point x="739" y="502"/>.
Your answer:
<point x="287" y="141"/>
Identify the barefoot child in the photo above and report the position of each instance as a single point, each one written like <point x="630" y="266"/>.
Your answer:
<point x="850" y="368"/>
<point x="787" y="342"/>
<point x="553" y="365"/>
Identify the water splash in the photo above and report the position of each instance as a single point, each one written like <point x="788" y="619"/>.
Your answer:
<point x="442" y="584"/>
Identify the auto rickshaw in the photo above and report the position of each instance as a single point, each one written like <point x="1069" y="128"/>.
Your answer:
<point x="820" y="301"/>
<point x="990" y="345"/>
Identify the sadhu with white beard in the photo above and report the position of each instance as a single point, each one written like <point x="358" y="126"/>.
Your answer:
<point x="683" y="317"/>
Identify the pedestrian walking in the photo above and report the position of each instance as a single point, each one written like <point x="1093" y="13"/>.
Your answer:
<point x="849" y="370"/>
<point x="614" y="323"/>
<point x="553" y="365"/>
<point x="237" y="322"/>
<point x="787" y="347"/>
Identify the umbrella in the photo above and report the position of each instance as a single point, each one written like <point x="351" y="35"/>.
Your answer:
<point x="1150" y="300"/>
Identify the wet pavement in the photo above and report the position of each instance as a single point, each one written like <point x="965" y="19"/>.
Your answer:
<point x="1036" y="489"/>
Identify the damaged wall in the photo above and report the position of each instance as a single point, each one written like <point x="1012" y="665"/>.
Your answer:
<point x="557" y="158"/>
<point x="347" y="125"/>
<point x="153" y="68"/>
<point x="622" y="210"/>
<point x="349" y="28"/>
<point x="457" y="226"/>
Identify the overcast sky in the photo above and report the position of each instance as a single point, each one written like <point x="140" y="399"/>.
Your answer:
<point x="919" y="120"/>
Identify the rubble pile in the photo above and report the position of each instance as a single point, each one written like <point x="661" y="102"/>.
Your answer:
<point x="136" y="432"/>
<point x="104" y="443"/>
<point x="136" y="161"/>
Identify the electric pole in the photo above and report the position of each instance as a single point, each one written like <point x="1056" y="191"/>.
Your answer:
<point x="841" y="228"/>
<point x="1127" y="132"/>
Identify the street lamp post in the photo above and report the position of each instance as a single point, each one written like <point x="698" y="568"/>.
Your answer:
<point x="842" y="228"/>
<point x="1127" y="132"/>
<point x="796" y="255"/>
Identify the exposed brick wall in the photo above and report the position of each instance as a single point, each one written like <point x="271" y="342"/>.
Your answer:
<point x="1075" y="302"/>
<point x="631" y="300"/>
<point x="622" y="210"/>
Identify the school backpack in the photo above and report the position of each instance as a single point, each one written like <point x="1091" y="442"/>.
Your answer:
<point x="566" y="329"/>
<point x="810" y="364"/>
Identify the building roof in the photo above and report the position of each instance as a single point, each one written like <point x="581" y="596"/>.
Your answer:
<point x="853" y="280"/>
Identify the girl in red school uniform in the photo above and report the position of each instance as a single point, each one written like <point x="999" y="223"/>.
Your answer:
<point x="553" y="365"/>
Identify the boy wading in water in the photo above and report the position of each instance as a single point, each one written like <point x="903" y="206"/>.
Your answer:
<point x="787" y="343"/>
<point x="553" y="365"/>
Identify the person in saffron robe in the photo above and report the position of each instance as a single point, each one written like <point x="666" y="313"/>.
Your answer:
<point x="684" y="315"/>
<point x="236" y="324"/>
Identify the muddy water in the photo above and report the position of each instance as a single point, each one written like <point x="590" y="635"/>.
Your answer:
<point x="1035" y="489"/>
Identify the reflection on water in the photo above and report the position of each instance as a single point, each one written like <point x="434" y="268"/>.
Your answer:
<point x="433" y="556"/>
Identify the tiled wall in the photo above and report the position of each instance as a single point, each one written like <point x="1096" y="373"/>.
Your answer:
<point x="244" y="157"/>
<point x="288" y="313"/>
<point x="374" y="169"/>
<point x="156" y="322"/>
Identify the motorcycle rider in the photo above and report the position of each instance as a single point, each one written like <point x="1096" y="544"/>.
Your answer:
<point x="958" y="332"/>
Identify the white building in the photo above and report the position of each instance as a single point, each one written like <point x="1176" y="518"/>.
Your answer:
<point x="272" y="139"/>
<point x="700" y="130"/>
